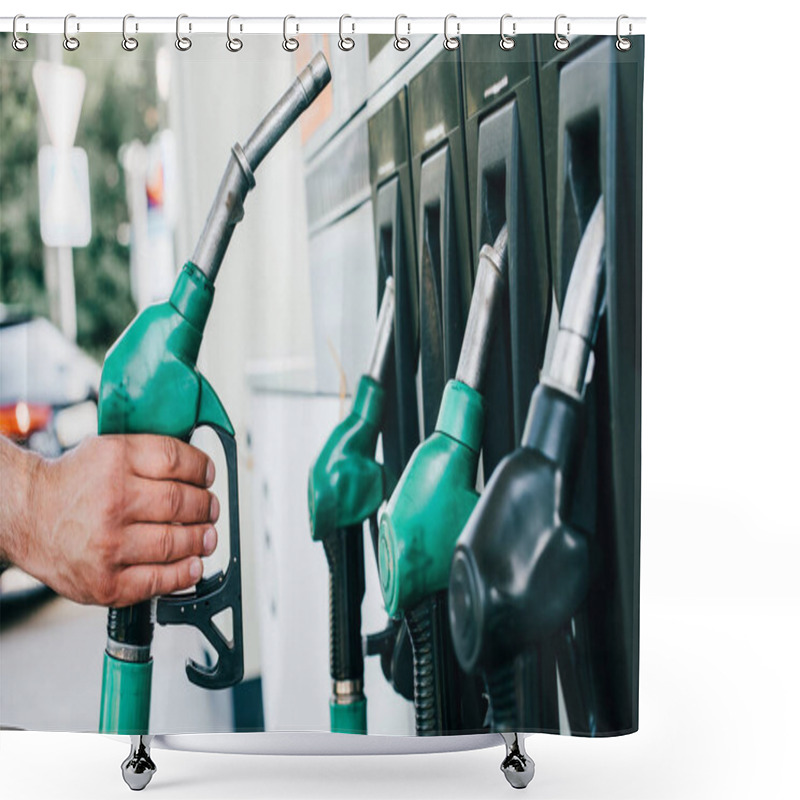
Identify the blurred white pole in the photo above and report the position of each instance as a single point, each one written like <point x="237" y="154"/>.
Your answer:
<point x="67" y="306"/>
<point x="59" y="272"/>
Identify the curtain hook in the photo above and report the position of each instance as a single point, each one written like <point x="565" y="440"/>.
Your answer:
<point x="346" y="42"/>
<point x="129" y="43"/>
<point x="401" y="42"/>
<point x="507" y="42"/>
<point x="623" y="44"/>
<point x="561" y="42"/>
<point x="290" y="44"/>
<point x="18" y="43"/>
<point x="70" y="42"/>
<point x="451" y="42"/>
<point x="234" y="45"/>
<point x="183" y="43"/>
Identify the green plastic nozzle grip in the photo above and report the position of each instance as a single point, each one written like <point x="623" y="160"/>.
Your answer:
<point x="346" y="484"/>
<point x="151" y="384"/>
<point x="431" y="503"/>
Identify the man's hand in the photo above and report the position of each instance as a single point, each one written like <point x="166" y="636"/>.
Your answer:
<point x="119" y="519"/>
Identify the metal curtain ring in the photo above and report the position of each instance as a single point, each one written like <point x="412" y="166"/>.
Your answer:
<point x="623" y="44"/>
<point x="561" y="42"/>
<point x="346" y="42"/>
<point x="451" y="42"/>
<point x="507" y="42"/>
<point x="401" y="42"/>
<point x="183" y="43"/>
<point x="70" y="42"/>
<point x="234" y="45"/>
<point x="18" y="43"/>
<point x="290" y="44"/>
<point x="129" y="43"/>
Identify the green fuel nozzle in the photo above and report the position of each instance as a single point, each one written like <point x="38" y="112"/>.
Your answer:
<point x="520" y="572"/>
<point x="436" y="492"/>
<point x="150" y="384"/>
<point x="345" y="483"/>
<point x="345" y="487"/>
<point x="433" y="500"/>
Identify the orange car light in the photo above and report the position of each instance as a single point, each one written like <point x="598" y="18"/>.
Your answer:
<point x="20" y="420"/>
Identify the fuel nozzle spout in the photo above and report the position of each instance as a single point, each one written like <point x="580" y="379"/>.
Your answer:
<point x="489" y="286"/>
<point x="569" y="369"/>
<point x="228" y="207"/>
<point x="384" y="331"/>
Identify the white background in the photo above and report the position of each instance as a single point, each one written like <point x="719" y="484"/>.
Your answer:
<point x="720" y="611"/>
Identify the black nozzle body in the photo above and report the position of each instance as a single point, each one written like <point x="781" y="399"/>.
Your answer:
<point x="345" y="553"/>
<point x="519" y="570"/>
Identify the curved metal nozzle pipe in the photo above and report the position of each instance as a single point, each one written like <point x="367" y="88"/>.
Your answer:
<point x="384" y="330"/>
<point x="577" y="326"/>
<point x="228" y="207"/>
<point x="489" y="285"/>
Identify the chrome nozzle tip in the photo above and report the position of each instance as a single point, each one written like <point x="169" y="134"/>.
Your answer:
<point x="315" y="76"/>
<point x="497" y="252"/>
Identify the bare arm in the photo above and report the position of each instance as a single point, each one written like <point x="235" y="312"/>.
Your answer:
<point x="17" y="468"/>
<point x="115" y="521"/>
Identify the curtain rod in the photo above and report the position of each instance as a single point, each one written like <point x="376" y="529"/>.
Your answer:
<point x="572" y="26"/>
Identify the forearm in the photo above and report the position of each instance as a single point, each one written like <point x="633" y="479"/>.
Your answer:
<point x="18" y="469"/>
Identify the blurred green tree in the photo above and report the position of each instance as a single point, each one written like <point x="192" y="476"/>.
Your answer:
<point x="121" y="104"/>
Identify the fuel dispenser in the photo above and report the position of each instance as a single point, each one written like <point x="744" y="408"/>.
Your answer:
<point x="590" y="97"/>
<point x="565" y="505"/>
<point x="150" y="384"/>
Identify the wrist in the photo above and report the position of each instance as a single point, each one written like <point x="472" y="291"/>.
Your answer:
<point x="22" y="473"/>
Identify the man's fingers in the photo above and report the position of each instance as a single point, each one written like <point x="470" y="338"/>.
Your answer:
<point x="168" y="458"/>
<point x="143" y="581"/>
<point x="162" y="544"/>
<point x="170" y="501"/>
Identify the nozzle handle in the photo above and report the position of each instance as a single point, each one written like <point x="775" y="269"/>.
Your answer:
<point x="215" y="594"/>
<point x="345" y="553"/>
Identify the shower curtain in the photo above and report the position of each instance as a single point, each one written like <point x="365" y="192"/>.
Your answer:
<point x="421" y="378"/>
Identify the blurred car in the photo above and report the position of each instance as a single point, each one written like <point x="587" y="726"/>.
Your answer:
<point x="48" y="404"/>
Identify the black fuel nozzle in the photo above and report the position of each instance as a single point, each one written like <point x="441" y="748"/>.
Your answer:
<point x="520" y="571"/>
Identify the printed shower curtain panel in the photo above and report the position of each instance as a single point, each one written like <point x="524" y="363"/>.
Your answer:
<point x="403" y="317"/>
